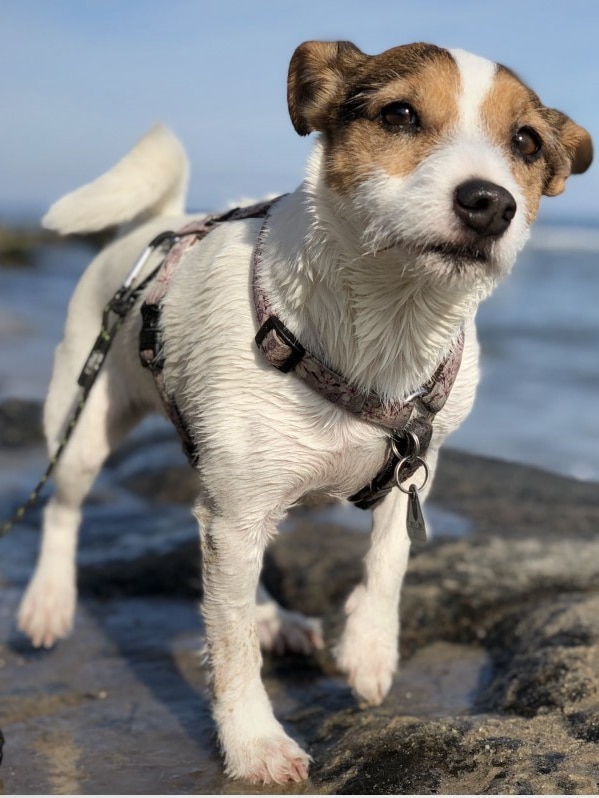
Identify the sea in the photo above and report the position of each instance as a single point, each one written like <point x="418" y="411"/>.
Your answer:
<point x="538" y="399"/>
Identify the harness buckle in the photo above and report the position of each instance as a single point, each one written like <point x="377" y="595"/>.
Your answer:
<point x="288" y="338"/>
<point x="150" y="338"/>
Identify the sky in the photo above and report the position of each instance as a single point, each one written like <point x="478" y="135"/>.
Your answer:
<point x="83" y="80"/>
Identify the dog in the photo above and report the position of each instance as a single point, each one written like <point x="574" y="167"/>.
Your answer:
<point x="420" y="190"/>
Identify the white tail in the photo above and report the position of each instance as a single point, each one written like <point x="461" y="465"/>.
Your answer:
<point x="151" y="180"/>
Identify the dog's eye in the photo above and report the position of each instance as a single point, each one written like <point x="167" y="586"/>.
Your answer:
<point x="400" y="116"/>
<point x="526" y="142"/>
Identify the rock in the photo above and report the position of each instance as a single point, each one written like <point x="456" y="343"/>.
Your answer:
<point x="19" y="246"/>
<point x="482" y="755"/>
<point x="547" y="658"/>
<point x="20" y="423"/>
<point x="22" y="246"/>
<point x="498" y="691"/>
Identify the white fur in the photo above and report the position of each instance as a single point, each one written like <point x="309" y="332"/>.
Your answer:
<point x="350" y="278"/>
<point x="156" y="174"/>
<point x="476" y="79"/>
<point x="401" y="209"/>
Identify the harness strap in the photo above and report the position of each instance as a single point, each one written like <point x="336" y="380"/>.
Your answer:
<point x="400" y="449"/>
<point x="150" y="337"/>
<point x="419" y="427"/>
<point x="406" y="420"/>
<point x="283" y="351"/>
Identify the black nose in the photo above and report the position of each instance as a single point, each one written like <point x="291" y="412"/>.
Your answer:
<point x="484" y="207"/>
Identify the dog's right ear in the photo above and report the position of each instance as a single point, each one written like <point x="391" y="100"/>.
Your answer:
<point x="570" y="152"/>
<point x="317" y="74"/>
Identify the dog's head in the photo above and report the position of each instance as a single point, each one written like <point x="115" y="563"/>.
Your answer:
<point x="440" y="153"/>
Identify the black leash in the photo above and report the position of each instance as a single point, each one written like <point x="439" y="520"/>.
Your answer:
<point x="119" y="306"/>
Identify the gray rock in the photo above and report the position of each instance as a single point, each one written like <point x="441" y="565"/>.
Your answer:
<point x="498" y="691"/>
<point x="20" y="423"/>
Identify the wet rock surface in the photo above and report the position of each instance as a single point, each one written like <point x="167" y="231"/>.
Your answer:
<point x="20" y="423"/>
<point x="499" y="685"/>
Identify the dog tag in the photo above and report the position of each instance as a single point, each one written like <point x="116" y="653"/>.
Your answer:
<point x="415" y="519"/>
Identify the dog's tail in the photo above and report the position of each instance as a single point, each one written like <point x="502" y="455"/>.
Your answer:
<point x="151" y="180"/>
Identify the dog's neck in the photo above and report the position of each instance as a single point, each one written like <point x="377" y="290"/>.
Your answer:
<point x="370" y="317"/>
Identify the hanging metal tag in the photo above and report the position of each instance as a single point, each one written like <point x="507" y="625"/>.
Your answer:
<point x="415" y="518"/>
<point x="403" y="470"/>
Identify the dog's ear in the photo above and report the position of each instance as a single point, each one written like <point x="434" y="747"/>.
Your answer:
<point x="317" y="76"/>
<point x="569" y="153"/>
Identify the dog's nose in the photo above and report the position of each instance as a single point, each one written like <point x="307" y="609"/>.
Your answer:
<point x="484" y="207"/>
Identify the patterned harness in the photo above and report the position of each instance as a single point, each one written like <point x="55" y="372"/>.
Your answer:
<point x="409" y="423"/>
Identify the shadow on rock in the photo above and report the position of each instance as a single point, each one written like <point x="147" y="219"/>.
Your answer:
<point x="498" y="690"/>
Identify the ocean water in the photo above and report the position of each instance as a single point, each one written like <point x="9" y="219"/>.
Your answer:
<point x="538" y="400"/>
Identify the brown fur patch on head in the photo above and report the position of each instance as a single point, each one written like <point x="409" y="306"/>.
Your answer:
<point x="566" y="148"/>
<point x="339" y="91"/>
<point x="573" y="150"/>
<point x="317" y="74"/>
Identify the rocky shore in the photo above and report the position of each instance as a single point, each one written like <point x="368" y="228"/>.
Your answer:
<point x="499" y="685"/>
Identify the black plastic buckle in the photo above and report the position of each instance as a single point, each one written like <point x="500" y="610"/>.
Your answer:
<point x="150" y="338"/>
<point x="122" y="302"/>
<point x="288" y="338"/>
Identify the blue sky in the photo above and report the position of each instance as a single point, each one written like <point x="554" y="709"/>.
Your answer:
<point x="82" y="80"/>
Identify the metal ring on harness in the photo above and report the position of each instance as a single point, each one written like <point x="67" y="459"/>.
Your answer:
<point x="413" y="447"/>
<point x="410" y="460"/>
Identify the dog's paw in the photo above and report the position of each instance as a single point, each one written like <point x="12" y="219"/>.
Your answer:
<point x="369" y="673"/>
<point x="281" y="630"/>
<point x="368" y="650"/>
<point x="269" y="760"/>
<point x="48" y="608"/>
<point x="254" y="744"/>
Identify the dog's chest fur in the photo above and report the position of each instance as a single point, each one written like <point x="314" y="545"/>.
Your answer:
<point x="245" y="415"/>
<point x="240" y="408"/>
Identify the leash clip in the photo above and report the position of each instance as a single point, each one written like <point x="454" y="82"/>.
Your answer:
<point x="162" y="238"/>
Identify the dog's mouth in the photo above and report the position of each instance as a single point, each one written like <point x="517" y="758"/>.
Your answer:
<point x="460" y="252"/>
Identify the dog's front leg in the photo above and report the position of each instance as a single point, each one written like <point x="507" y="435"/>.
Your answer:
<point x="254" y="743"/>
<point x="369" y="648"/>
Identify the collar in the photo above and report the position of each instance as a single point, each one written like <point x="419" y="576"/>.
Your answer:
<point x="285" y="352"/>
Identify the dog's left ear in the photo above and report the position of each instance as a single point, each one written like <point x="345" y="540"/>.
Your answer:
<point x="571" y="152"/>
<point x="317" y="76"/>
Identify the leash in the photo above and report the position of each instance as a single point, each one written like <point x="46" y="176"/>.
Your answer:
<point x="118" y="307"/>
<point x="409" y="423"/>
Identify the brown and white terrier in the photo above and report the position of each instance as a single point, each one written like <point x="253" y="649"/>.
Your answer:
<point x="419" y="193"/>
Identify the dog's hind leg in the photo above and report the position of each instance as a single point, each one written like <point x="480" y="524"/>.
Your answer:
<point x="48" y="607"/>
<point x="254" y="743"/>
<point x="282" y="630"/>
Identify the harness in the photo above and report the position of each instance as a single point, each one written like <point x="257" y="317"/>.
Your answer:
<point x="409" y="423"/>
